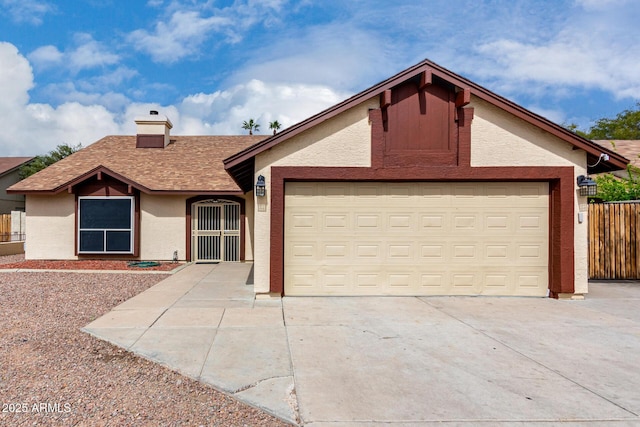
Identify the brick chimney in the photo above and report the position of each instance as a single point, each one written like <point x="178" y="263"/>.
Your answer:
<point x="153" y="131"/>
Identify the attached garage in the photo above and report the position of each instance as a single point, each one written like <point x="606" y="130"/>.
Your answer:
<point x="382" y="238"/>
<point x="424" y="184"/>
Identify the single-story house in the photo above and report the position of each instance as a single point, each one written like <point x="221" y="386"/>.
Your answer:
<point x="424" y="184"/>
<point x="9" y="175"/>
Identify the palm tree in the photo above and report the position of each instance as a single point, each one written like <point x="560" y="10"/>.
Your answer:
<point x="250" y="125"/>
<point x="275" y="125"/>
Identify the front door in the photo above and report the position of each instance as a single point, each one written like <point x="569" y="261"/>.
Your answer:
<point x="215" y="231"/>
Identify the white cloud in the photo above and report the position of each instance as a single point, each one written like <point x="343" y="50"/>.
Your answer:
<point x="84" y="117"/>
<point x="16" y="78"/>
<point x="594" y="49"/>
<point x="325" y="55"/>
<point x="188" y="25"/>
<point x="86" y="54"/>
<point x="90" y="53"/>
<point x="223" y="112"/>
<point x="30" y="129"/>
<point x="46" y="56"/>
<point x="68" y="92"/>
<point x="180" y="37"/>
<point x="30" y="11"/>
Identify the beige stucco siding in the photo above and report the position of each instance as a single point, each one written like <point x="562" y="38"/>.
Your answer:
<point x="344" y="140"/>
<point x="162" y="227"/>
<point x="248" y="226"/>
<point x="51" y="221"/>
<point x="500" y="139"/>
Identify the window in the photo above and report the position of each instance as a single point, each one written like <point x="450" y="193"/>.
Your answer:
<point x="105" y="225"/>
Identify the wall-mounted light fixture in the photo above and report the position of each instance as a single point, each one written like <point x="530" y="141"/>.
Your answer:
<point x="261" y="187"/>
<point x="587" y="186"/>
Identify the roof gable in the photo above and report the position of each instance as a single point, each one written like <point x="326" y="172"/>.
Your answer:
<point x="426" y="71"/>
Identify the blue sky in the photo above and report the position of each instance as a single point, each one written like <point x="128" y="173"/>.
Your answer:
<point x="75" y="71"/>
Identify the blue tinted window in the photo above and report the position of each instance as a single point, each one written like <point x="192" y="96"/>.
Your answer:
<point x="105" y="213"/>
<point x="105" y="225"/>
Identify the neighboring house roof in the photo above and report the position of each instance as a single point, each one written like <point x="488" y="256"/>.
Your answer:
<point x="240" y="163"/>
<point x="627" y="148"/>
<point x="189" y="164"/>
<point x="8" y="164"/>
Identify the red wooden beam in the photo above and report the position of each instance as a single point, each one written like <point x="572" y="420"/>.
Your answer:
<point x="463" y="97"/>
<point x="426" y="78"/>
<point x="385" y="98"/>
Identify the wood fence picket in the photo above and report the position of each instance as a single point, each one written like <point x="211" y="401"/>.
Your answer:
<point x="614" y="249"/>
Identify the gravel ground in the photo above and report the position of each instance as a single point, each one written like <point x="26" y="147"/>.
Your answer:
<point x="51" y="373"/>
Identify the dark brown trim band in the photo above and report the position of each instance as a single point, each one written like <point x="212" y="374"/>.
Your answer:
<point x="561" y="200"/>
<point x="105" y="187"/>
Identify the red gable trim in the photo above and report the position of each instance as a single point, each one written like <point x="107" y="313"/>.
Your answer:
<point x="430" y="69"/>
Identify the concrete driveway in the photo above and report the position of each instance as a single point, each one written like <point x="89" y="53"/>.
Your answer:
<point x="404" y="361"/>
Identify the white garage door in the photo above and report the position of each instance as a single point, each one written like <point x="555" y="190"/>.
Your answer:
<point x="373" y="238"/>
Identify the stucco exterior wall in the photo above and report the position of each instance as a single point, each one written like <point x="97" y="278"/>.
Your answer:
<point x="500" y="139"/>
<point x="51" y="220"/>
<point x="162" y="227"/>
<point x="344" y="140"/>
<point x="248" y="226"/>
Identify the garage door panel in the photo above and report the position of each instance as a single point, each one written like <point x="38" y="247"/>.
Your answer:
<point x="433" y="252"/>
<point x="416" y="238"/>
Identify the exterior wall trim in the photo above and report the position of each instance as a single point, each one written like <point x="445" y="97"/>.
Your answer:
<point x="561" y="197"/>
<point x="109" y="188"/>
<point x="561" y="201"/>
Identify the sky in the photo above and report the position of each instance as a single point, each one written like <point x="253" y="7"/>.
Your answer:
<point x="74" y="71"/>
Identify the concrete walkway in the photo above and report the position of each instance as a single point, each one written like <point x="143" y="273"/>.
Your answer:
<point x="399" y="361"/>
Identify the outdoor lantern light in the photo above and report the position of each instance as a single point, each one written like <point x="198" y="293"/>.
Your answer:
<point x="261" y="187"/>
<point x="588" y="187"/>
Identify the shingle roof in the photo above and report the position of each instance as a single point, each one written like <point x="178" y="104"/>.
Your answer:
<point x="191" y="164"/>
<point x="9" y="163"/>
<point x="627" y="148"/>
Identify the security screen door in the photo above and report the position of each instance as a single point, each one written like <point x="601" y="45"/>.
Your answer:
<point x="216" y="231"/>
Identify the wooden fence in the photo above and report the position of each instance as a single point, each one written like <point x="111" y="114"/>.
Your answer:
<point x="12" y="227"/>
<point x="614" y="249"/>
<point x="5" y="228"/>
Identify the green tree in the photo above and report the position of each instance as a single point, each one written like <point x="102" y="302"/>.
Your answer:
<point x="42" y="161"/>
<point x="614" y="189"/>
<point x="251" y="126"/>
<point x="275" y="125"/>
<point x="626" y="125"/>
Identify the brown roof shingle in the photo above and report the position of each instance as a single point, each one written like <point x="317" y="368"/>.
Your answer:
<point x="191" y="164"/>
<point x="10" y="163"/>
<point x="628" y="148"/>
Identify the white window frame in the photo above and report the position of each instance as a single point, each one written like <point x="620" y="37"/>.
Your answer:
<point x="104" y="230"/>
